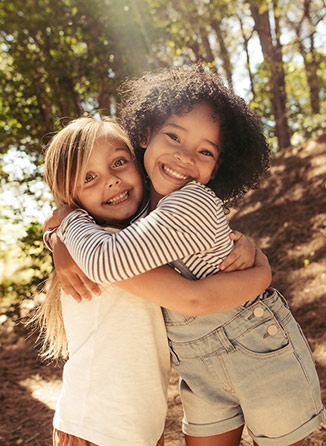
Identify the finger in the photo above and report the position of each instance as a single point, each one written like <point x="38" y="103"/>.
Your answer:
<point x="231" y="258"/>
<point x="93" y="287"/>
<point x="234" y="263"/>
<point x="235" y="266"/>
<point x="71" y="292"/>
<point x="80" y="288"/>
<point x="235" y="235"/>
<point x="74" y="286"/>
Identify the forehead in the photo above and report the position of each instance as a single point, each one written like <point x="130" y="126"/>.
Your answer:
<point x="105" y="151"/>
<point x="202" y="110"/>
<point x="200" y="121"/>
<point x="109" y="147"/>
<point x="111" y="142"/>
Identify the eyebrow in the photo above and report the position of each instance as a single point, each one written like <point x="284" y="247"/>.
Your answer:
<point x="168" y="124"/>
<point x="124" y="149"/>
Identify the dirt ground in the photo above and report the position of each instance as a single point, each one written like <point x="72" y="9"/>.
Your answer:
<point x="286" y="218"/>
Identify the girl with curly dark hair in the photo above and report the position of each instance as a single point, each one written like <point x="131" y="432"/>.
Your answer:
<point x="243" y="150"/>
<point x="200" y="146"/>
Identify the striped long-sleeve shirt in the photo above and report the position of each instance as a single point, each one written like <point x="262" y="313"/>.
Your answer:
<point x="188" y="224"/>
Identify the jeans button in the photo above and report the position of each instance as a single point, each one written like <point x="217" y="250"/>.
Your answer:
<point x="258" y="311"/>
<point x="272" y="330"/>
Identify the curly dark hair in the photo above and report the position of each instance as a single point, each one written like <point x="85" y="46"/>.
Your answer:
<point x="148" y="101"/>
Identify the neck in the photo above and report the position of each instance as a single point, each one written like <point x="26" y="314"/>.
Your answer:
<point x="155" y="197"/>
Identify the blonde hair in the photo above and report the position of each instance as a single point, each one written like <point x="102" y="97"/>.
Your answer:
<point x="65" y="165"/>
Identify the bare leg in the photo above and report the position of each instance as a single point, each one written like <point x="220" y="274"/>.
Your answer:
<point x="161" y="441"/>
<point x="231" y="438"/>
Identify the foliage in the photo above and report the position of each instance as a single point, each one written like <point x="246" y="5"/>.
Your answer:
<point x="32" y="267"/>
<point x="61" y="58"/>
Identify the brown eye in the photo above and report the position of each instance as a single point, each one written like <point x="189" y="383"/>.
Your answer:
<point x="207" y="153"/>
<point x="172" y="136"/>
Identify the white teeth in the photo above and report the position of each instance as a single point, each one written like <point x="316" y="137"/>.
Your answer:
<point x="119" y="198"/>
<point x="174" y="173"/>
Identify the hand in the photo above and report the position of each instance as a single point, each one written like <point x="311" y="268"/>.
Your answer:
<point x="72" y="279"/>
<point x="242" y="255"/>
<point x="54" y="220"/>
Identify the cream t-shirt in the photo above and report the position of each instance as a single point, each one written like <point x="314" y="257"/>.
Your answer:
<point x="115" y="382"/>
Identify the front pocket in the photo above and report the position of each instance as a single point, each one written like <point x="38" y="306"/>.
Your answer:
<point x="263" y="339"/>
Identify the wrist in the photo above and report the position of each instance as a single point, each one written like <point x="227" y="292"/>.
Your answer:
<point x="49" y="238"/>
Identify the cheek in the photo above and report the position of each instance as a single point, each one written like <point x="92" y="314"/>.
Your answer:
<point x="137" y="181"/>
<point x="85" y="197"/>
<point x="146" y="161"/>
<point x="214" y="171"/>
<point x="148" y="158"/>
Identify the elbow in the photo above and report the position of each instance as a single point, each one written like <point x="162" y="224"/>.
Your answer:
<point x="268" y="278"/>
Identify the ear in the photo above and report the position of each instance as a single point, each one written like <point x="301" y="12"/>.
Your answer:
<point x="144" y="143"/>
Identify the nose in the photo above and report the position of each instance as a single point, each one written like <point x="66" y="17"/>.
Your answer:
<point x="183" y="155"/>
<point x="112" y="181"/>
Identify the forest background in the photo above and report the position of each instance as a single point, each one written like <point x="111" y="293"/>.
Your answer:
<point x="60" y="59"/>
<point x="64" y="58"/>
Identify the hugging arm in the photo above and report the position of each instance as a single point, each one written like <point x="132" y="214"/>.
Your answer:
<point x="185" y="222"/>
<point x="234" y="289"/>
<point x="217" y="293"/>
<point x="167" y="288"/>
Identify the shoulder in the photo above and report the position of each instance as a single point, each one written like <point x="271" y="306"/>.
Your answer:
<point x="193" y="202"/>
<point x="194" y="196"/>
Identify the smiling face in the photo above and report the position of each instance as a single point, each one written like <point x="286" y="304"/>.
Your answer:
<point x="184" y="148"/>
<point x="112" y="189"/>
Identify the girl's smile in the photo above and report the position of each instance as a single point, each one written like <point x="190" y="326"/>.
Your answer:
<point x="176" y="173"/>
<point x="119" y="198"/>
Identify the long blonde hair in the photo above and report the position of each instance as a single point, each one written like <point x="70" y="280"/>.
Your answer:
<point x="65" y="165"/>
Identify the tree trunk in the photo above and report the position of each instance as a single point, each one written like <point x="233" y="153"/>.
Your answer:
<point x="311" y="67"/>
<point x="246" y="48"/>
<point x="310" y="62"/>
<point x="273" y="59"/>
<point x="216" y="25"/>
<point x="208" y="50"/>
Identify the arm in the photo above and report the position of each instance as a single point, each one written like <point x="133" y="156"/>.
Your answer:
<point x="186" y="222"/>
<point x="160" y="284"/>
<point x="169" y="289"/>
<point x="72" y="279"/>
<point x="241" y="257"/>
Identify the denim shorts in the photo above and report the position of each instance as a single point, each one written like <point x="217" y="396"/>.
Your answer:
<point x="255" y="369"/>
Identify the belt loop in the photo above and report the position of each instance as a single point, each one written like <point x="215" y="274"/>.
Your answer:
<point x="229" y="347"/>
